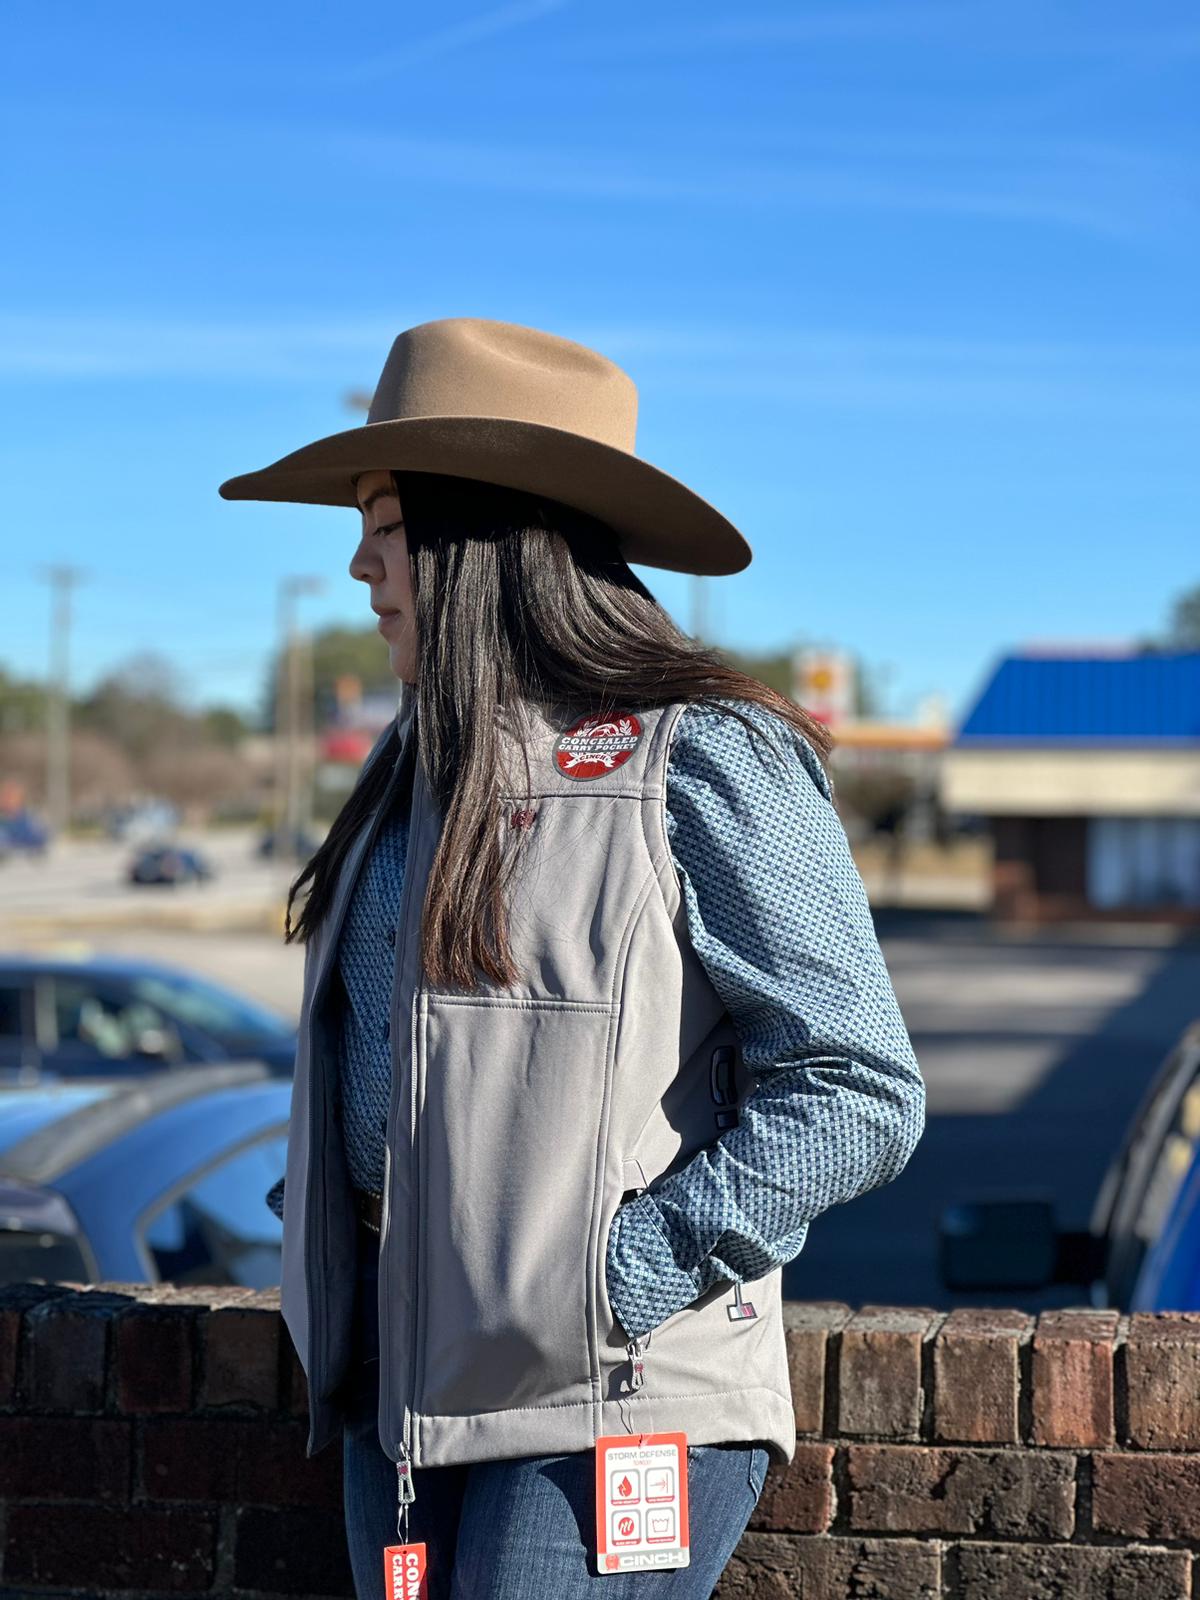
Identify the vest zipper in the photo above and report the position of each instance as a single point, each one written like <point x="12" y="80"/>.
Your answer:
<point x="318" y="1122"/>
<point x="317" y="1305"/>
<point x="404" y="1444"/>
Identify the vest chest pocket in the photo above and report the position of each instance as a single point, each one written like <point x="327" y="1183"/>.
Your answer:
<point x="509" y="1132"/>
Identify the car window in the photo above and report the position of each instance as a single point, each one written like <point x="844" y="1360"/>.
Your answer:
<point x="12" y="1010"/>
<point x="98" y="1021"/>
<point x="206" y="1006"/>
<point x="17" y="1046"/>
<point x="217" y="1229"/>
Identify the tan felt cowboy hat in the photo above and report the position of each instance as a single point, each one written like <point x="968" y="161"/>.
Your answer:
<point x="515" y="406"/>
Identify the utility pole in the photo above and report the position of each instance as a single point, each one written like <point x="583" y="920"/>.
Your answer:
<point x="293" y="720"/>
<point x="58" y="733"/>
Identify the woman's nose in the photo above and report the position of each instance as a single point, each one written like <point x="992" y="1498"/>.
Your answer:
<point x="364" y="565"/>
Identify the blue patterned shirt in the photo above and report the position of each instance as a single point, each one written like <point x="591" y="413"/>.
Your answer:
<point x="778" y="915"/>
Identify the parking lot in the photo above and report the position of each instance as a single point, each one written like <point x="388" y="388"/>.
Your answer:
<point x="1035" y="1050"/>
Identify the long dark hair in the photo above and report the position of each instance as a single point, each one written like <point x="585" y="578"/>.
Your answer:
<point x="516" y="596"/>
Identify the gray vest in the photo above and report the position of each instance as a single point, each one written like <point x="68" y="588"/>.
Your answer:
<point x="518" y="1121"/>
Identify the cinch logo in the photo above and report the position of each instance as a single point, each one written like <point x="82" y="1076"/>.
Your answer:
<point x="647" y="1558"/>
<point x="589" y="748"/>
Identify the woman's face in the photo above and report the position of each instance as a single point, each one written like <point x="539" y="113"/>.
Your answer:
<point x="381" y="561"/>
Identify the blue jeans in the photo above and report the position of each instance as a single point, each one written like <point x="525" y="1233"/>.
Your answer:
<point x="503" y="1530"/>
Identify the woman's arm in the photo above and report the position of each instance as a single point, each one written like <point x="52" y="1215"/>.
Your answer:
<point x="779" y="916"/>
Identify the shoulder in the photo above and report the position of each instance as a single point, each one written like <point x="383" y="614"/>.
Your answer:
<point x="713" y="744"/>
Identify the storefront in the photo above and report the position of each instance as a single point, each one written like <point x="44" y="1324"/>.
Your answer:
<point x="1087" y="765"/>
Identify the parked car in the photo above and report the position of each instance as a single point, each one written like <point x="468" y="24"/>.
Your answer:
<point x="155" y="1181"/>
<point x="1141" y="1249"/>
<point x="295" y="843"/>
<point x="21" y="830"/>
<point x="110" y="1015"/>
<point x="170" y="863"/>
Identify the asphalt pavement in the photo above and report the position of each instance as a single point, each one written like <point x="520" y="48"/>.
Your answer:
<point x="1035" y="1051"/>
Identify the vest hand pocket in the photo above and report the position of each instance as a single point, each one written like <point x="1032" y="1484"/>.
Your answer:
<point x="512" y="1094"/>
<point x="611" y="1281"/>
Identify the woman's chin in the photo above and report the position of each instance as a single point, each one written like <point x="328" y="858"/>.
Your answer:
<point x="400" y="667"/>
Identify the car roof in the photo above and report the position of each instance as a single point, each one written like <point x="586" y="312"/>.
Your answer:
<point x="59" y="1125"/>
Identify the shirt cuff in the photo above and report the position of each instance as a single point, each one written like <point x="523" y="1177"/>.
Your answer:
<point x="645" y="1283"/>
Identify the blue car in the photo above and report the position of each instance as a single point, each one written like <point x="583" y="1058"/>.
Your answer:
<point x="169" y="863"/>
<point x="104" y="1015"/>
<point x="21" y="830"/>
<point x="1141" y="1249"/>
<point x="155" y="1180"/>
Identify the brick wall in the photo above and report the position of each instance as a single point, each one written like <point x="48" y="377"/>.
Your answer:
<point x="152" y="1442"/>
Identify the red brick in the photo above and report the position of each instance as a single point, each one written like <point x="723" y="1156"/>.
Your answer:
<point x="273" y="1469"/>
<point x="135" y="1548"/>
<point x="52" y="1458"/>
<point x="16" y="1300"/>
<point x="798" y="1498"/>
<point x="769" y="1566"/>
<point x="1073" y="1377"/>
<point x="293" y="1552"/>
<point x="999" y="1493"/>
<point x="879" y="1371"/>
<point x="152" y="1359"/>
<point x="1146" y="1496"/>
<point x="1065" y="1572"/>
<point x="1162" y="1377"/>
<point x="189" y="1458"/>
<point x="977" y="1375"/>
<point x="240" y="1360"/>
<point x="66" y="1350"/>
<point x="808" y="1325"/>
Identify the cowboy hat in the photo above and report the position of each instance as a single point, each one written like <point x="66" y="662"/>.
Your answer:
<point x="515" y="406"/>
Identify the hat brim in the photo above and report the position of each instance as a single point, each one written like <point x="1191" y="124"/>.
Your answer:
<point x="658" y="520"/>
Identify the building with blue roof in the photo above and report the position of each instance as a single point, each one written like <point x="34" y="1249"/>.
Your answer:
<point x="1087" y="763"/>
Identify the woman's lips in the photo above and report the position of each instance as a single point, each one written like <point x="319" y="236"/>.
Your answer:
<point x="385" y="620"/>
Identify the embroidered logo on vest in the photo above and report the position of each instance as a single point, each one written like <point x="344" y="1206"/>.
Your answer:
<point x="589" y="747"/>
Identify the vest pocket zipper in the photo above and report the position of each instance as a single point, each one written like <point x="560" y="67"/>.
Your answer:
<point x="400" y="949"/>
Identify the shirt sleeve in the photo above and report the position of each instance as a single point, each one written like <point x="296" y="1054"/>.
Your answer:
<point x="778" y="914"/>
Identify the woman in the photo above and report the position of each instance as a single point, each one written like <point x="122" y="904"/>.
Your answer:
<point x="595" y="1020"/>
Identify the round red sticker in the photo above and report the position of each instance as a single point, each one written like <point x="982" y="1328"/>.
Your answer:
<point x="591" y="747"/>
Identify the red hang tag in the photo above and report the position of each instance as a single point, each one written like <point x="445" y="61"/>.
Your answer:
<point x="641" y="1502"/>
<point x="404" y="1574"/>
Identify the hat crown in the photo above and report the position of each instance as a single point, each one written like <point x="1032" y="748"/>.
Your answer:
<point x="475" y="367"/>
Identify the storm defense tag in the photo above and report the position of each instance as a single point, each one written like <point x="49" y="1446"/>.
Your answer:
<point x="641" y="1502"/>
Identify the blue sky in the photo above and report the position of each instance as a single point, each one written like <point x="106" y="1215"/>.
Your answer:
<point x="908" y="291"/>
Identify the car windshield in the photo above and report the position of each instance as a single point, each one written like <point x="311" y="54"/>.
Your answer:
<point x="216" y="1011"/>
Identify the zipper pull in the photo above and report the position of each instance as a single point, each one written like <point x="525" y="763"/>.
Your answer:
<point x="404" y="1478"/>
<point x="637" y="1364"/>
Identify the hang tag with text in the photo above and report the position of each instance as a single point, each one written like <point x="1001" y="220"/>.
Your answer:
<point x="404" y="1573"/>
<point x="641" y="1502"/>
